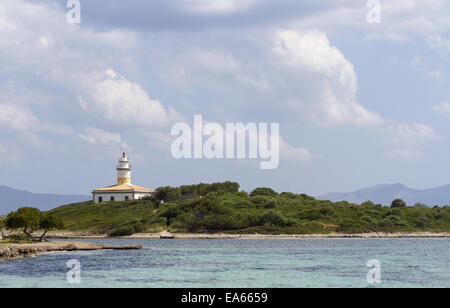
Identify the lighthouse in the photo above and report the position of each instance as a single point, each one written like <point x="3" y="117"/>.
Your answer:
<point x="123" y="190"/>
<point x="123" y="170"/>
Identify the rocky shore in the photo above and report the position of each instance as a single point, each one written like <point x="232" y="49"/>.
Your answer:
<point x="84" y="235"/>
<point x="15" y="251"/>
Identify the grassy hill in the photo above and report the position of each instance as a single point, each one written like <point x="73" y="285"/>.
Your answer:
<point x="220" y="207"/>
<point x="108" y="216"/>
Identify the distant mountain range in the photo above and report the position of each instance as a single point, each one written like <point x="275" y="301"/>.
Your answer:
<point x="384" y="194"/>
<point x="11" y="199"/>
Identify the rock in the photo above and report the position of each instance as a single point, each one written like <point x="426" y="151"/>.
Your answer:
<point x="12" y="251"/>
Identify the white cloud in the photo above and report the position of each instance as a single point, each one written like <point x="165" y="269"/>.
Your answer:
<point x="18" y="94"/>
<point x="99" y="136"/>
<point x="423" y="65"/>
<point x="305" y="78"/>
<point x="405" y="154"/>
<point x="112" y="96"/>
<point x="21" y="119"/>
<point x="60" y="129"/>
<point x="335" y="83"/>
<point x="436" y="75"/>
<point x="410" y="135"/>
<point x="217" y="61"/>
<point x="216" y="6"/>
<point x="30" y="28"/>
<point x="258" y="83"/>
<point x="313" y="51"/>
<point x="36" y="40"/>
<point x="401" y="21"/>
<point x="18" y="118"/>
<point x="160" y="140"/>
<point x="292" y="153"/>
<point x="439" y="43"/>
<point x="442" y="109"/>
<point x="406" y="139"/>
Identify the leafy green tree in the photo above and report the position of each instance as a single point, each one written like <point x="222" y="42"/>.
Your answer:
<point x="49" y="223"/>
<point x="204" y="189"/>
<point x="30" y="220"/>
<point x="368" y="203"/>
<point x="398" y="203"/>
<point x="288" y="195"/>
<point x="27" y="218"/>
<point x="167" y="193"/>
<point x="263" y="191"/>
<point x="2" y="227"/>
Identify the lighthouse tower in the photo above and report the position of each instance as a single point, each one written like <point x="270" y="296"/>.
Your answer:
<point x="123" y="170"/>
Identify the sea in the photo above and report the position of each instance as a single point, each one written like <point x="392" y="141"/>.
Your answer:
<point x="241" y="263"/>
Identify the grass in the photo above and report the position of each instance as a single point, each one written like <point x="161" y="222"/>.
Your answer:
<point x="106" y="216"/>
<point x="20" y="242"/>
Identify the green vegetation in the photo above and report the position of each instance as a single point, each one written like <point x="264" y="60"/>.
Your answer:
<point x="221" y="207"/>
<point x="398" y="203"/>
<point x="2" y="227"/>
<point x="29" y="220"/>
<point x="113" y="218"/>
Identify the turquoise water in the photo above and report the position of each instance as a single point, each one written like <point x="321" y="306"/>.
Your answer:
<point x="242" y="263"/>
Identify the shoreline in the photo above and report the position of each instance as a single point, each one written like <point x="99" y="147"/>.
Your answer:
<point x="167" y="235"/>
<point x="11" y="251"/>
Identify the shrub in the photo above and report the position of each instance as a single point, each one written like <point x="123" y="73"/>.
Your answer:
<point x="204" y="189"/>
<point x="222" y="222"/>
<point x="186" y="221"/>
<point x="386" y="223"/>
<point x="274" y="218"/>
<point x="263" y="191"/>
<point x="15" y="238"/>
<point x="264" y="201"/>
<point x="167" y="194"/>
<point x="368" y="203"/>
<point x="123" y="231"/>
<point x="127" y="228"/>
<point x="398" y="203"/>
<point x="288" y="195"/>
<point x="421" y="222"/>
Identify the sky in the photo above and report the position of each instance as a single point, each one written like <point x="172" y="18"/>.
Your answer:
<point x="358" y="103"/>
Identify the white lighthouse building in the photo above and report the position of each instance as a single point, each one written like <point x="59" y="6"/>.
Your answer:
<point x="123" y="190"/>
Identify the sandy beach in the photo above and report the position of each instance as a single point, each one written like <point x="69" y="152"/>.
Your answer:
<point x="84" y="235"/>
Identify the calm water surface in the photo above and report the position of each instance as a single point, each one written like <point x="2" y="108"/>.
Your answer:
<point x="242" y="263"/>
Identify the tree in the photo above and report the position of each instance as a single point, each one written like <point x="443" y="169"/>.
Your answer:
<point x="263" y="191"/>
<point x="26" y="218"/>
<point x="368" y="203"/>
<point x="398" y="203"/>
<point x="30" y="220"/>
<point x="2" y="226"/>
<point x="48" y="223"/>
<point x="167" y="193"/>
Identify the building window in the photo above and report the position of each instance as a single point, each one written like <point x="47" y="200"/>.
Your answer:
<point x="100" y="199"/>
<point x="126" y="198"/>
<point x="112" y="198"/>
